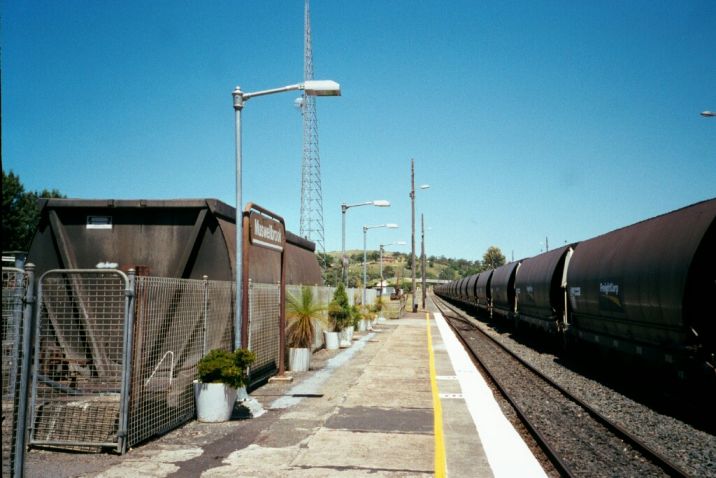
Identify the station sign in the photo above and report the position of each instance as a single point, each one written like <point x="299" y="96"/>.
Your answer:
<point x="266" y="232"/>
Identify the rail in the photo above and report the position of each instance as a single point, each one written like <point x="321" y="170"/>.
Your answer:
<point x="668" y="466"/>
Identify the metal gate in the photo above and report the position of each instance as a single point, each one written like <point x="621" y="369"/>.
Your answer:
<point x="79" y="381"/>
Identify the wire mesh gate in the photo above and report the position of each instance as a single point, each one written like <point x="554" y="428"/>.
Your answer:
<point x="79" y="383"/>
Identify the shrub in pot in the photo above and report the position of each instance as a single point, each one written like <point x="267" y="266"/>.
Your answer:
<point x="304" y="314"/>
<point x="378" y="309"/>
<point x="339" y="313"/>
<point x="221" y="373"/>
<point x="369" y="315"/>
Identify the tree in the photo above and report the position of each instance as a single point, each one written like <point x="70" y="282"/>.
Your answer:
<point x="20" y="212"/>
<point x="332" y="276"/>
<point x="493" y="258"/>
<point x="324" y="258"/>
<point x="388" y="271"/>
<point x="448" y="274"/>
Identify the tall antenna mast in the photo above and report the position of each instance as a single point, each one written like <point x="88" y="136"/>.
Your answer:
<point x="311" y="193"/>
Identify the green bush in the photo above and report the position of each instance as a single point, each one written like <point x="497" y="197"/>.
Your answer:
<point x="378" y="304"/>
<point x="339" y="311"/>
<point x="356" y="315"/>
<point x="222" y="366"/>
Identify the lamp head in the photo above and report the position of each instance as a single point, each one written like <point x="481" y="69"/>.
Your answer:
<point x="391" y="226"/>
<point x="322" y="88"/>
<point x="424" y="186"/>
<point x="381" y="203"/>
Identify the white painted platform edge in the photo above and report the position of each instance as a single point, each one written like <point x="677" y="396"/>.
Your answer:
<point x="506" y="452"/>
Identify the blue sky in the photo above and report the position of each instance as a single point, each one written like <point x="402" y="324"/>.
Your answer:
<point x="529" y="120"/>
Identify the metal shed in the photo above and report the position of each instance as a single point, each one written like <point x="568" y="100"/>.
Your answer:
<point x="182" y="238"/>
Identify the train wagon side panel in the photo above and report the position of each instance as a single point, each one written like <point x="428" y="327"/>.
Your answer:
<point x="630" y="284"/>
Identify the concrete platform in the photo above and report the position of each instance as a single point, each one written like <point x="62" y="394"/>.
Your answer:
<point x="368" y="410"/>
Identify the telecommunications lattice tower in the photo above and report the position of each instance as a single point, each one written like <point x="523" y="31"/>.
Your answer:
<point x="311" y="194"/>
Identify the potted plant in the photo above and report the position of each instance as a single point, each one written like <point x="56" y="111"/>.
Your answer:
<point x="304" y="314"/>
<point x="369" y="315"/>
<point x="378" y="308"/>
<point x="221" y="374"/>
<point x="362" y="320"/>
<point x="356" y="316"/>
<point x="339" y="312"/>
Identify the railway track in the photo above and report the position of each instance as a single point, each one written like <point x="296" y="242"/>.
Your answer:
<point x="576" y="438"/>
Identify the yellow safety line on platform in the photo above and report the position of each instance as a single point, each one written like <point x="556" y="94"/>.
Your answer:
<point x="440" y="466"/>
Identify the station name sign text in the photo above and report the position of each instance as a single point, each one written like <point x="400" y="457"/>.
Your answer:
<point x="266" y="232"/>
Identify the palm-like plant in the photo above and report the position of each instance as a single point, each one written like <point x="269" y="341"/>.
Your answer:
<point x="303" y="314"/>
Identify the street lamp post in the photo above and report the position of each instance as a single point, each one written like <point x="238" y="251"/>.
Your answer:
<point x="344" y="208"/>
<point x="312" y="88"/>
<point x="365" y="258"/>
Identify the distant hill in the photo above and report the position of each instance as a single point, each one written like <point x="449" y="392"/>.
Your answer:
<point x="396" y="265"/>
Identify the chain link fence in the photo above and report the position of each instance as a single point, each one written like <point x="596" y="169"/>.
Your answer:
<point x="115" y="356"/>
<point x="264" y="330"/>
<point x="177" y="322"/>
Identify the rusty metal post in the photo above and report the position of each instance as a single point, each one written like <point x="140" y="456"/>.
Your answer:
<point x="282" y="317"/>
<point x="244" y="291"/>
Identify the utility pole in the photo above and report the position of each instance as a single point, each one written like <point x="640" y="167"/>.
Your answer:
<point x="412" y="234"/>
<point x="422" y="258"/>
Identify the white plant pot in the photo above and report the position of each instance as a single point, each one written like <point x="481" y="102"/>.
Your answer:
<point x="214" y="401"/>
<point x="299" y="359"/>
<point x="362" y="325"/>
<point x="346" y="337"/>
<point x="331" y="340"/>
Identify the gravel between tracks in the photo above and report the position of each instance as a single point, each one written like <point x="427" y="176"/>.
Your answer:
<point x="690" y="448"/>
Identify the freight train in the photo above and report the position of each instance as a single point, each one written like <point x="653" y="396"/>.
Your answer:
<point x="645" y="290"/>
